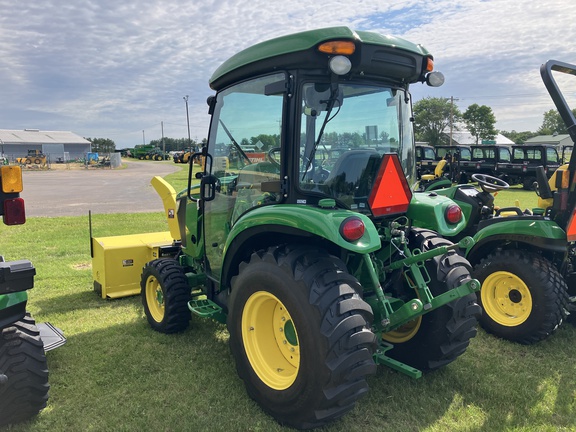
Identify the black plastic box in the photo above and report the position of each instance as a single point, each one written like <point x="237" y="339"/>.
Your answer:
<point x="16" y="276"/>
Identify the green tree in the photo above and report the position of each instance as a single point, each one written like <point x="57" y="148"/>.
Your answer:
<point x="519" y="137"/>
<point x="102" y="145"/>
<point x="480" y="121"/>
<point x="432" y="119"/>
<point x="553" y="123"/>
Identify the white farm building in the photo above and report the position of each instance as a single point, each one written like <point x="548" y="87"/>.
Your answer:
<point x="54" y="144"/>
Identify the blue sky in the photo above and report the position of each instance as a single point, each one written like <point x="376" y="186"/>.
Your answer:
<point x="118" y="69"/>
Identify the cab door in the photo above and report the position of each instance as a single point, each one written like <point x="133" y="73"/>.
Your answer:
<point x="246" y="129"/>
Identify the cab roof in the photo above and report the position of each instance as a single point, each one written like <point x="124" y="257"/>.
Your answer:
<point x="294" y="50"/>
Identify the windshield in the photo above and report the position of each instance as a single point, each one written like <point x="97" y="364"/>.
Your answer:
<point x="345" y="130"/>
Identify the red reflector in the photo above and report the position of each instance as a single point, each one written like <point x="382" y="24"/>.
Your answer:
<point x="571" y="230"/>
<point x="453" y="214"/>
<point x="14" y="211"/>
<point x="352" y="229"/>
<point x="391" y="193"/>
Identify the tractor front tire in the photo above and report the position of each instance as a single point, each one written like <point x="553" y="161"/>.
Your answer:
<point x="23" y="372"/>
<point x="165" y="296"/>
<point x="300" y="335"/>
<point x="523" y="296"/>
<point x="439" y="337"/>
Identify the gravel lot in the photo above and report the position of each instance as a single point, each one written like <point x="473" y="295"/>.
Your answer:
<point x="60" y="192"/>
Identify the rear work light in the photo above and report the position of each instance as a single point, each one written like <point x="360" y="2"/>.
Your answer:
<point x="352" y="229"/>
<point x="14" y="213"/>
<point x="453" y="214"/>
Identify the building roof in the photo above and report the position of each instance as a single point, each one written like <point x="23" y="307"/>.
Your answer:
<point x="463" y="137"/>
<point x="35" y="136"/>
<point x="550" y="139"/>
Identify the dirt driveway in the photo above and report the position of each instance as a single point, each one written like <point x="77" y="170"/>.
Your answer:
<point x="74" y="192"/>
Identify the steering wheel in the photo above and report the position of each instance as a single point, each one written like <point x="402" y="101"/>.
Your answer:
<point x="272" y="156"/>
<point x="489" y="183"/>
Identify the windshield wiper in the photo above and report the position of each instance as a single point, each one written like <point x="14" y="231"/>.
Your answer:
<point x="235" y="143"/>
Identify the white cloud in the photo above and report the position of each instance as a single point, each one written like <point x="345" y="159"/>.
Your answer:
<point x="112" y="69"/>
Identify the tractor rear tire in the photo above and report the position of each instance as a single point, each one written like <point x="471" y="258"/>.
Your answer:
<point x="439" y="337"/>
<point x="165" y="296"/>
<point x="300" y="335"/>
<point x="23" y="372"/>
<point x="523" y="296"/>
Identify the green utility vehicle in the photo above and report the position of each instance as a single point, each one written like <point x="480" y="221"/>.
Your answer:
<point x="526" y="260"/>
<point x="23" y="368"/>
<point x="311" y="255"/>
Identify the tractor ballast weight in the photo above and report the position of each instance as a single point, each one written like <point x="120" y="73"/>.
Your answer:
<point x="23" y="367"/>
<point x="310" y="256"/>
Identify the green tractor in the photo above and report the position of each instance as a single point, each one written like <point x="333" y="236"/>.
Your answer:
<point x="310" y="252"/>
<point x="23" y="367"/>
<point x="525" y="260"/>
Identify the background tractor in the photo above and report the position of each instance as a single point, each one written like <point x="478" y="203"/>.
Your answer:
<point x="311" y="256"/>
<point x="34" y="157"/>
<point x="23" y="367"/>
<point x="525" y="259"/>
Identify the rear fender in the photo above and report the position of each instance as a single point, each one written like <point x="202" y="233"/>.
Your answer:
<point x="310" y="221"/>
<point x="541" y="234"/>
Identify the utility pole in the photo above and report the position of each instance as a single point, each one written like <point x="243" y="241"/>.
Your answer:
<point x="188" y="124"/>
<point x="143" y="138"/>
<point x="451" y="116"/>
<point x="163" y="144"/>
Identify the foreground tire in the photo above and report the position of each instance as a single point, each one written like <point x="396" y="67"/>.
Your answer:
<point x="299" y="333"/>
<point x="165" y="296"/>
<point x="23" y="372"/>
<point x="523" y="296"/>
<point x="437" y="338"/>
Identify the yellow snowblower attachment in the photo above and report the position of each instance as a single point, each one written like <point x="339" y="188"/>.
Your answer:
<point x="117" y="261"/>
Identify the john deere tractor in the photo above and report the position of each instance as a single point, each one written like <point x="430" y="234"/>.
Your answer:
<point x="525" y="259"/>
<point x="311" y="255"/>
<point x="23" y="368"/>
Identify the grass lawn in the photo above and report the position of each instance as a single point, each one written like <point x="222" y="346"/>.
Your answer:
<point x="116" y="374"/>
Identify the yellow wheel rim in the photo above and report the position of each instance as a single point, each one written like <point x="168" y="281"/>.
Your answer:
<point x="155" y="299"/>
<point x="506" y="299"/>
<point x="270" y="340"/>
<point x="403" y="333"/>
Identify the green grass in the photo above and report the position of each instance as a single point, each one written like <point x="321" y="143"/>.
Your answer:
<point x="116" y="374"/>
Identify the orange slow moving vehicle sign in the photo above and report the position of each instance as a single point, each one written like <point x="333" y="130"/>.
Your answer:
<point x="391" y="193"/>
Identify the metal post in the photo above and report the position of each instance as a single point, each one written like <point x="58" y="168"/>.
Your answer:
<point x="188" y="123"/>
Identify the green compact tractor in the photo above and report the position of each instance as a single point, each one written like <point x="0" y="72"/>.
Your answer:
<point x="525" y="260"/>
<point x="23" y="368"/>
<point x="310" y="253"/>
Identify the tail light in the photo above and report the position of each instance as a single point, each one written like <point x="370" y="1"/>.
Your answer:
<point x="453" y="214"/>
<point x="352" y="229"/>
<point x="14" y="213"/>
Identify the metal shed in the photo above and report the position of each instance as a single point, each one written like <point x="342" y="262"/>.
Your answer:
<point x="54" y="144"/>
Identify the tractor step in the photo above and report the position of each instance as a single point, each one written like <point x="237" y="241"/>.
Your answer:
<point x="207" y="309"/>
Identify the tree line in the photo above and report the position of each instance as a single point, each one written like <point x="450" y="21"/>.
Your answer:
<point x="433" y="118"/>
